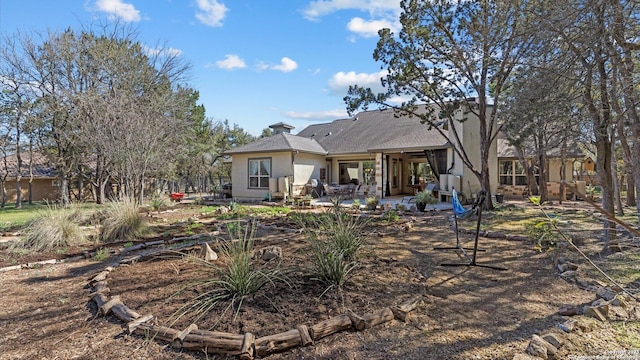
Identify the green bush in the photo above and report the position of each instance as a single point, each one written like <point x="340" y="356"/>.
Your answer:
<point x="543" y="234"/>
<point x="372" y="202"/>
<point x="391" y="216"/>
<point x="122" y="221"/>
<point x="51" y="228"/>
<point x="425" y="197"/>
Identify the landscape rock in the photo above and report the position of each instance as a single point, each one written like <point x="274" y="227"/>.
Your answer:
<point x="270" y="253"/>
<point x="209" y="254"/>
<point x="568" y="310"/>
<point x="554" y="339"/>
<point x="568" y="326"/>
<point x="595" y="312"/>
<point x="605" y="293"/>
<point x="569" y="275"/>
<point x="541" y="348"/>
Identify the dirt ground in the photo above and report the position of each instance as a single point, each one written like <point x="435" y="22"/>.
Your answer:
<point x="465" y="312"/>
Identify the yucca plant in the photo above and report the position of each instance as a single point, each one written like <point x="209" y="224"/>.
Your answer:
<point x="52" y="227"/>
<point x="122" y="221"/>
<point x="329" y="264"/>
<point x="233" y="282"/>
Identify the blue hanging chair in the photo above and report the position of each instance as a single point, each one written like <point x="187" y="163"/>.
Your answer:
<point x="458" y="209"/>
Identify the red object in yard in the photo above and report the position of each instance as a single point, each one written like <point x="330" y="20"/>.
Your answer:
<point x="177" y="196"/>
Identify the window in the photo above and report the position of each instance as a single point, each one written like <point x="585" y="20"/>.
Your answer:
<point x="512" y="173"/>
<point x="259" y="173"/>
<point x="506" y="172"/>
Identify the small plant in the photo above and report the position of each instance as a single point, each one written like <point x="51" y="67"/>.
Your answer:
<point x="329" y="265"/>
<point x="391" y="216"/>
<point x="157" y="202"/>
<point x="128" y="244"/>
<point x="334" y="239"/>
<point x="52" y="228"/>
<point x="233" y="206"/>
<point x="424" y="198"/>
<point x="356" y="204"/>
<point x="101" y="254"/>
<point x="122" y="221"/>
<point x="401" y="207"/>
<point x="372" y="202"/>
<point x="543" y="234"/>
<point x="239" y="278"/>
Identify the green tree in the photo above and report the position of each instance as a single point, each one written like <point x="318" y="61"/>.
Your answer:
<point x="447" y="54"/>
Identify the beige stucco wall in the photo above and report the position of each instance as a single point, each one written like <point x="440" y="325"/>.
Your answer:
<point x="281" y="166"/>
<point x="297" y="166"/>
<point x="469" y="132"/>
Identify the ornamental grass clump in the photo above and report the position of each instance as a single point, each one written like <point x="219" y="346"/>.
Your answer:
<point x="52" y="227"/>
<point x="239" y="277"/>
<point x="122" y="221"/>
<point x="334" y="241"/>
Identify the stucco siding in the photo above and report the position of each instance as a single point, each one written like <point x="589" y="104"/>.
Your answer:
<point x="280" y="166"/>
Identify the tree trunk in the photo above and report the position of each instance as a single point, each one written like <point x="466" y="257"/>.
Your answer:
<point x="563" y="167"/>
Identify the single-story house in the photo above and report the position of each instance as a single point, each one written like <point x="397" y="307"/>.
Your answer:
<point x="44" y="185"/>
<point x="375" y="149"/>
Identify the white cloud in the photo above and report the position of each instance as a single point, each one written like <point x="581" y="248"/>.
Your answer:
<point x="317" y="115"/>
<point x="118" y="9"/>
<point x="382" y="14"/>
<point x="340" y="82"/>
<point x="230" y="62"/>
<point x="319" y="8"/>
<point x="368" y="28"/>
<point x="211" y="12"/>
<point x="286" y="65"/>
<point x="162" y="51"/>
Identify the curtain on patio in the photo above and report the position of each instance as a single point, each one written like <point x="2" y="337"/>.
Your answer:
<point x="437" y="161"/>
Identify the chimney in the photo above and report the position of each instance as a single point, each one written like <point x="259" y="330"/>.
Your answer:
<point x="281" y="128"/>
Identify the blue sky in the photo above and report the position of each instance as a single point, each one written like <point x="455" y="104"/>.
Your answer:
<point x="255" y="62"/>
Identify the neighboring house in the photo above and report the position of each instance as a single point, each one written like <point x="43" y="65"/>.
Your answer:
<point x="513" y="180"/>
<point x="44" y="185"/>
<point x="375" y="148"/>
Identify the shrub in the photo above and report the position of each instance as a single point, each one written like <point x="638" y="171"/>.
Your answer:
<point x="51" y="228"/>
<point x="543" y="234"/>
<point x="122" y="221"/>
<point x="372" y="202"/>
<point x="425" y="197"/>
<point x="391" y="216"/>
<point x="401" y="207"/>
<point x="236" y="280"/>
<point x="157" y="202"/>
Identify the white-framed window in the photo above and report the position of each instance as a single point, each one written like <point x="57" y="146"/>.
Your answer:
<point x="259" y="173"/>
<point x="512" y="173"/>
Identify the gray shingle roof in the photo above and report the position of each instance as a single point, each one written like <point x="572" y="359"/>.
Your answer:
<point x="281" y="142"/>
<point x="374" y="130"/>
<point x="505" y="150"/>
